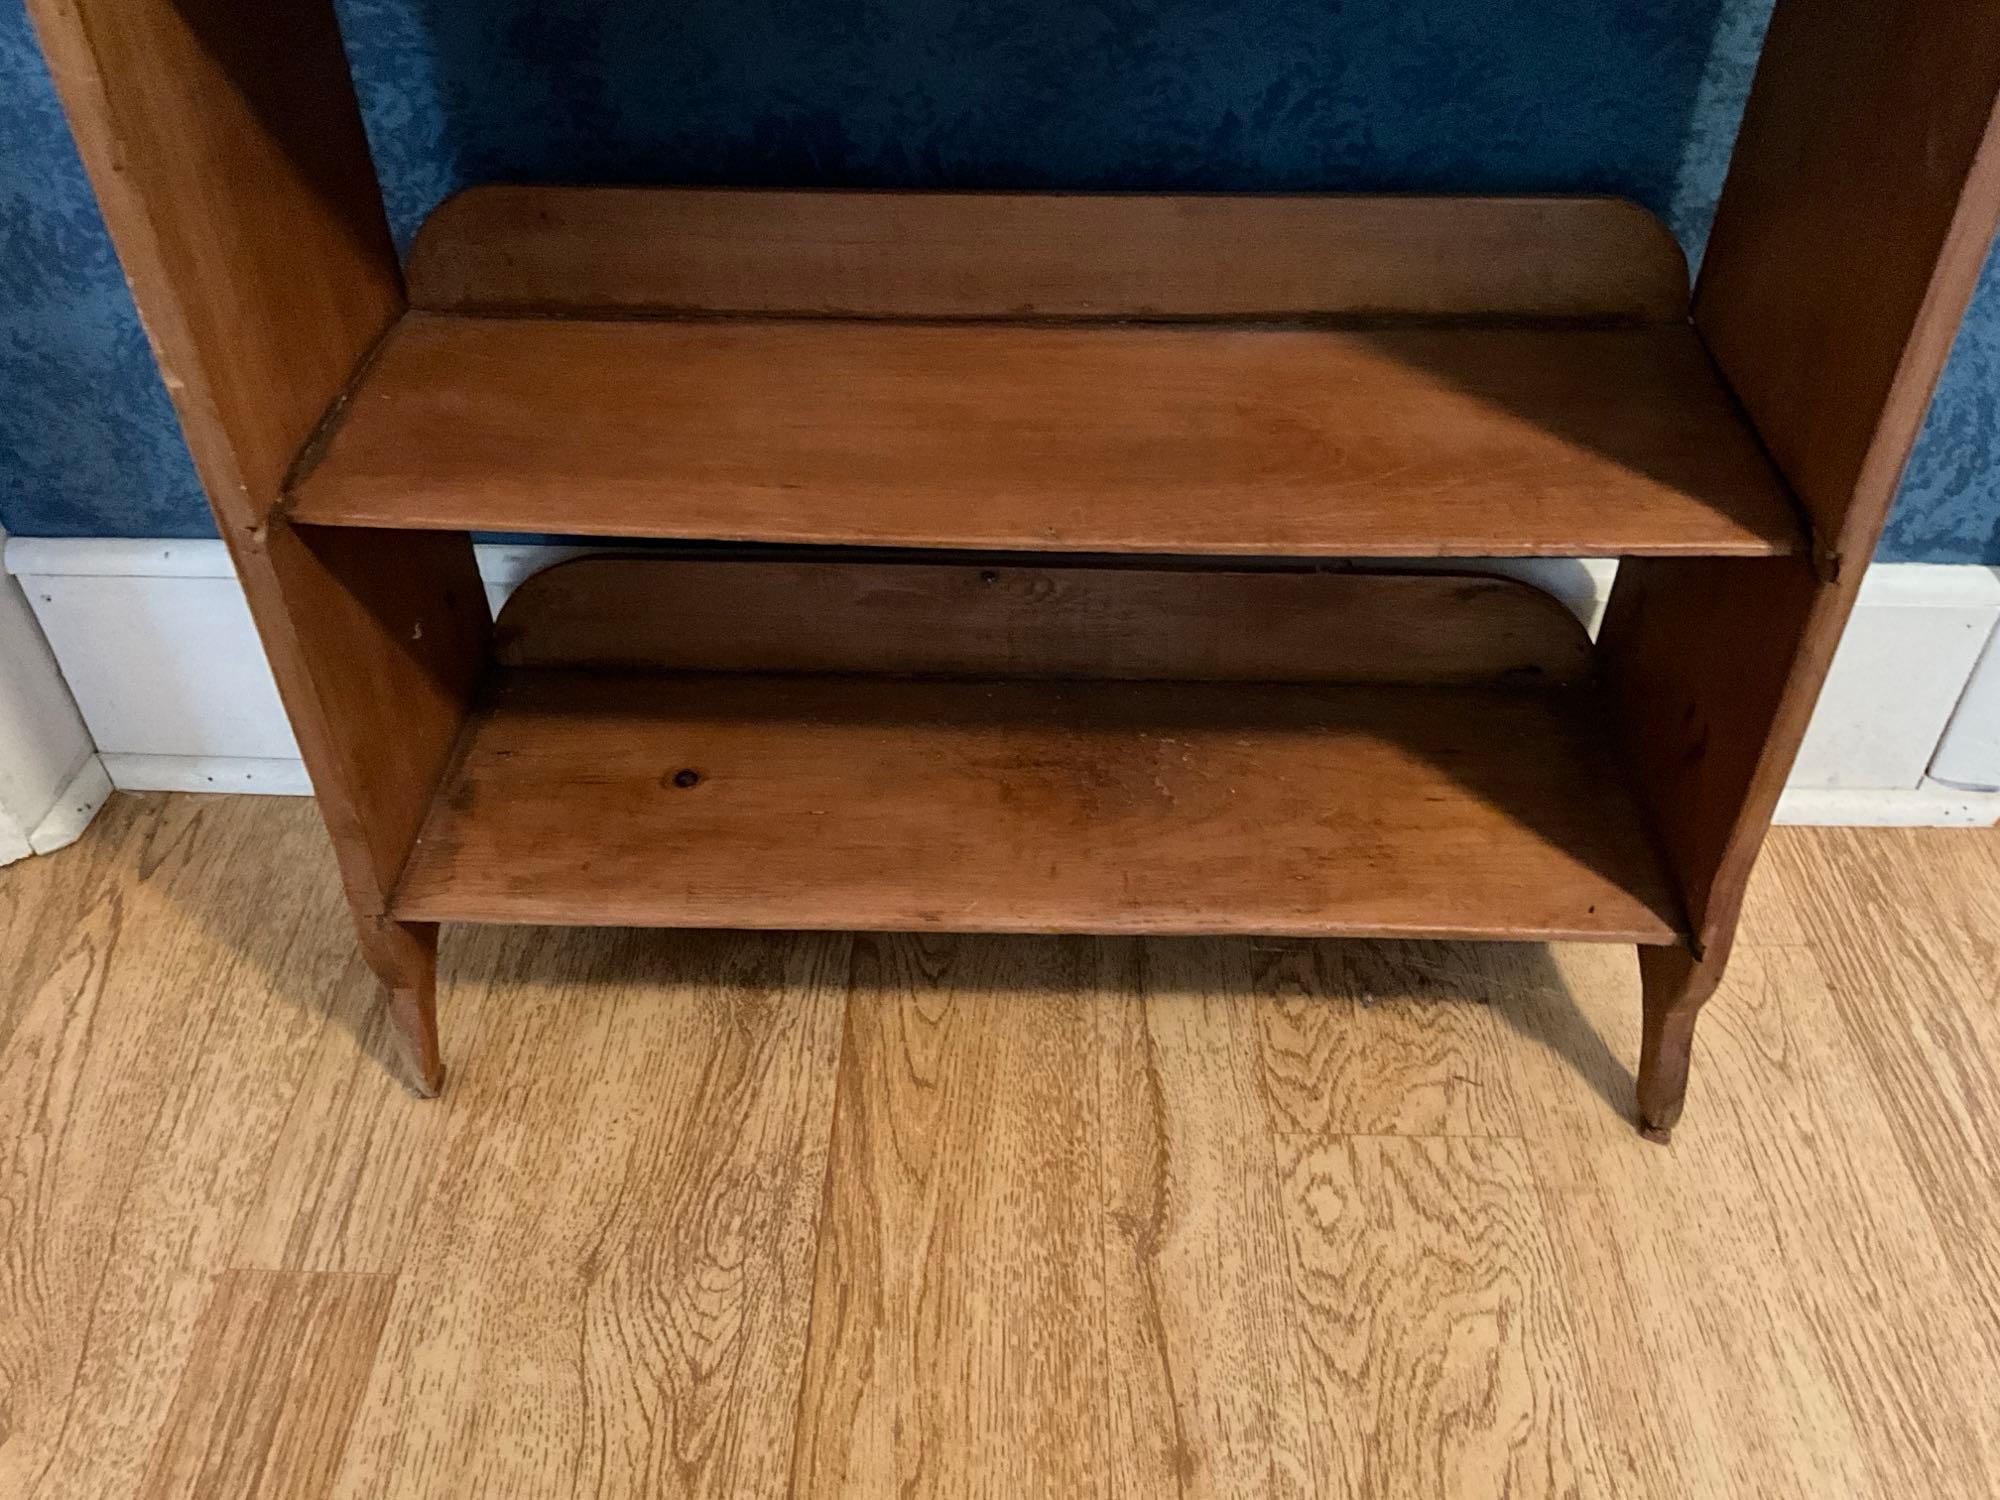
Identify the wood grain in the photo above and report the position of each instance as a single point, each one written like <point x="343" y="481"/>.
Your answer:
<point x="134" y="1127"/>
<point x="1726" y="1247"/>
<point x="1439" y="1359"/>
<point x="543" y="249"/>
<point x="1823" y="1146"/>
<point x="1386" y="442"/>
<point x="227" y="152"/>
<point x="921" y="620"/>
<point x="1203" y="1365"/>
<point x="606" y="1290"/>
<point x="380" y="645"/>
<point x="856" y="803"/>
<point x="958" y="1342"/>
<point x="1899" y="983"/>
<point x="1712" y="672"/>
<point x="1869" y="160"/>
<point x="357" y="1152"/>
<point x="1373" y="1038"/>
<point x="1053" y="1250"/>
<point x="278" y="1366"/>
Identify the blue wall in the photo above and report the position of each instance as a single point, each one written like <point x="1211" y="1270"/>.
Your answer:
<point x="1637" y="97"/>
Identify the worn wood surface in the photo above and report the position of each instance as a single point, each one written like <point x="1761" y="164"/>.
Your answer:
<point x="1858" y="210"/>
<point x="1071" y="255"/>
<point x="1006" y="620"/>
<point x="1377" y="442"/>
<point x="1860" y="206"/>
<point x="711" y="1214"/>
<point x="859" y="803"/>
<point x="227" y="153"/>
<point x="229" y="160"/>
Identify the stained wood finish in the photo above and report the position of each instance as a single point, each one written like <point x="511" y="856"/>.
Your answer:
<point x="1407" y="442"/>
<point x="1867" y="163"/>
<point x="228" y="155"/>
<point x="378" y="644"/>
<point x="1869" y="158"/>
<point x="1677" y="986"/>
<point x="1015" y="255"/>
<point x="1708" y="747"/>
<point x="235" y="177"/>
<point x="1076" y="1144"/>
<point x="1040" y="622"/>
<point x="864" y="803"/>
<point x="403" y="956"/>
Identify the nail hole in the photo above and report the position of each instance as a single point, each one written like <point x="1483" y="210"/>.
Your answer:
<point x="686" y="777"/>
<point x="989" y="577"/>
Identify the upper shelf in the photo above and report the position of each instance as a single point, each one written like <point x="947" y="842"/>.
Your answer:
<point x="1600" y="430"/>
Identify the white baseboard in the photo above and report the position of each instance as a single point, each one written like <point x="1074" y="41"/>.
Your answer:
<point x="1930" y="804"/>
<point x="269" y="776"/>
<point x="1902" y="668"/>
<point x="158" y="647"/>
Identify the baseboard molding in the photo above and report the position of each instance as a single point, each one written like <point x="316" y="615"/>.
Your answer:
<point x="158" y="647"/>
<point x="1930" y="804"/>
<point x="267" y="776"/>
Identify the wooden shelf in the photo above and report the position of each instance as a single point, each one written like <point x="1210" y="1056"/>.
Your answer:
<point x="1299" y="377"/>
<point x="1210" y="440"/>
<point x="882" y="803"/>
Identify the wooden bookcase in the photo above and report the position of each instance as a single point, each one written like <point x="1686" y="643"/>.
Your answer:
<point x="1011" y="607"/>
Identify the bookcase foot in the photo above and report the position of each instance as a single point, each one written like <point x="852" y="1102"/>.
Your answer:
<point x="404" y="958"/>
<point x="1676" y="986"/>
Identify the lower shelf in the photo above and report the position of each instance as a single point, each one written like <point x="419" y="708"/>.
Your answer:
<point x="878" y="803"/>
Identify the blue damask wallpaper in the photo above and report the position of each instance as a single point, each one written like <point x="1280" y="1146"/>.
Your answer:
<point x="1637" y="97"/>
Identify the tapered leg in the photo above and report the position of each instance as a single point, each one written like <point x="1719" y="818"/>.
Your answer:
<point x="404" y="957"/>
<point x="1677" y="985"/>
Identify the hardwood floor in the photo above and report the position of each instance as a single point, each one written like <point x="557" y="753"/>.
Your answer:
<point x="730" y="1215"/>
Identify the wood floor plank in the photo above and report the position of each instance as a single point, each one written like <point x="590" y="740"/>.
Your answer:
<point x="1205" y="1396"/>
<point x="1064" y="1176"/>
<point x="1692" y="1238"/>
<point x="1871" y="1274"/>
<point x="1380" y="1038"/>
<point x="1439" y="1358"/>
<point x="1898" y="919"/>
<point x="608" y="1286"/>
<point x="357" y="1152"/>
<point x="140" y="1095"/>
<point x="34" y="891"/>
<point x="1770" y="917"/>
<point x="262" y="1411"/>
<point x="1860" y="891"/>
<point x="958" y="1315"/>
